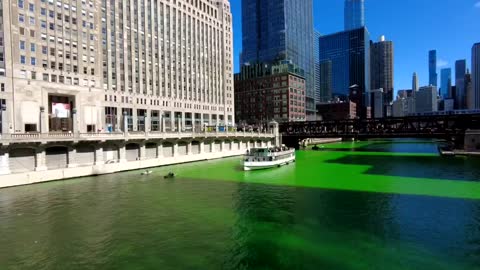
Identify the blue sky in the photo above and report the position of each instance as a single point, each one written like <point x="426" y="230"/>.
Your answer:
<point x="415" y="27"/>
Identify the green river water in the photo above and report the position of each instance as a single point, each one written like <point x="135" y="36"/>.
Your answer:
<point x="366" y="205"/>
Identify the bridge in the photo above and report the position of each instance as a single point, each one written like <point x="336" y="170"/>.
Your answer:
<point x="446" y="127"/>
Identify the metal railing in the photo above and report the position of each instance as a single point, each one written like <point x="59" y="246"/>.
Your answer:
<point x="132" y="135"/>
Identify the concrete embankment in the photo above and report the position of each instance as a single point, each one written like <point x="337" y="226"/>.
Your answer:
<point x="33" y="177"/>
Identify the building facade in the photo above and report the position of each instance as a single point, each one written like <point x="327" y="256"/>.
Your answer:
<point x="381" y="68"/>
<point x="316" y="56"/>
<point x="432" y="68"/>
<point x="461" y="93"/>
<point x="269" y="92"/>
<point x="426" y="100"/>
<point x="470" y="100"/>
<point x="446" y="83"/>
<point x="97" y="65"/>
<point x="476" y="73"/>
<point x="334" y="111"/>
<point x="281" y="30"/>
<point x="354" y="14"/>
<point x="348" y="55"/>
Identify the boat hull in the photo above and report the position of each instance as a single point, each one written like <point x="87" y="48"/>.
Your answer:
<point x="263" y="165"/>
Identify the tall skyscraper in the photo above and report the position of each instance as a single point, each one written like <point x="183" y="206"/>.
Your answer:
<point x="354" y="14"/>
<point x="432" y="68"/>
<point x="470" y="100"/>
<point x="446" y="83"/>
<point x="461" y="91"/>
<point x="316" y="54"/>
<point x="415" y="85"/>
<point x="476" y="73"/>
<point x="348" y="54"/>
<point x="281" y="30"/>
<point x="83" y="67"/>
<point x="381" y="68"/>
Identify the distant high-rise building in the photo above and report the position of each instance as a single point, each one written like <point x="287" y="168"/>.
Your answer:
<point x="426" y="99"/>
<point x="415" y="85"/>
<point x="432" y="68"/>
<point x="348" y="53"/>
<point x="461" y="94"/>
<point x="470" y="100"/>
<point x="316" y="56"/>
<point x="476" y="73"/>
<point x="381" y="68"/>
<point x="325" y="79"/>
<point x="281" y="30"/>
<point x="354" y="14"/>
<point x="446" y="83"/>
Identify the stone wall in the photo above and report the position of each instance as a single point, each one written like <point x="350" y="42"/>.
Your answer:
<point x="28" y="163"/>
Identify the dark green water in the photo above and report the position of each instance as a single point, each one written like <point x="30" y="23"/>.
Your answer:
<point x="371" y="205"/>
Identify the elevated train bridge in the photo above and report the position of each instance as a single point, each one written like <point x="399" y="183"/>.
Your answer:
<point x="451" y="128"/>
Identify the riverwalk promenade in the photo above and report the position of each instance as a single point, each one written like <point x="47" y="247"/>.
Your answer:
<point x="33" y="158"/>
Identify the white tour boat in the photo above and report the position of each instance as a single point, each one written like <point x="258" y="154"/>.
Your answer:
<point x="265" y="158"/>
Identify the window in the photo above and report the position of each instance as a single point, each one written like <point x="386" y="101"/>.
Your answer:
<point x="21" y="3"/>
<point x="21" y="18"/>
<point x="31" y="7"/>
<point x="22" y="45"/>
<point x="32" y="47"/>
<point x="23" y="59"/>
<point x="33" y="61"/>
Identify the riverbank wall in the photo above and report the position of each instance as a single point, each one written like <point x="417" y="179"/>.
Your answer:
<point x="46" y="159"/>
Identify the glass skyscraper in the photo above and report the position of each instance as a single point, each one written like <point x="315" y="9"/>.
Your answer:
<point x="281" y="30"/>
<point x="461" y="93"/>
<point x="432" y="68"/>
<point x="446" y="83"/>
<point x="354" y="14"/>
<point x="346" y="55"/>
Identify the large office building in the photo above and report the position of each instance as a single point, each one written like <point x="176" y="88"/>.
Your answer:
<point x="281" y="30"/>
<point x="426" y="99"/>
<point x="354" y="14"/>
<point x="446" y="83"/>
<point x="316" y="56"/>
<point x="381" y="68"/>
<point x="88" y="66"/>
<point x="461" y="93"/>
<point x="269" y="92"/>
<point x="476" y="73"/>
<point x="432" y="68"/>
<point x="346" y="57"/>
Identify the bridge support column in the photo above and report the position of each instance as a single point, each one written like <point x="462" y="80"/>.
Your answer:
<point x="99" y="155"/>
<point x="143" y="151"/>
<point x="4" y="162"/>
<point x="72" y="157"/>
<point x="40" y="160"/>
<point x="160" y="150"/>
<point x="202" y="147"/>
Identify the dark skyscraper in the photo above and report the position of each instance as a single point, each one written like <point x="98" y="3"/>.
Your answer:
<point x="280" y="30"/>
<point x="432" y="68"/>
<point x="381" y="68"/>
<point x="476" y="73"/>
<point x="347" y="55"/>
<point x="354" y="14"/>
<point x="316" y="53"/>
<point x="461" y="94"/>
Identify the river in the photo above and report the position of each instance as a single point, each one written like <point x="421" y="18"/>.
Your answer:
<point x="365" y="205"/>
